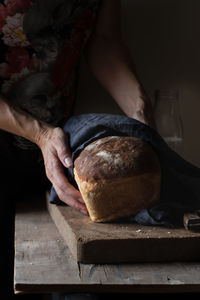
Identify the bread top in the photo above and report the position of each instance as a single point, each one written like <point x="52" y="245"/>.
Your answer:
<point x="116" y="157"/>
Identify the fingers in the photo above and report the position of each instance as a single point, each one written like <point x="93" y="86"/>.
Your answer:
<point x="57" y="155"/>
<point x="65" y="191"/>
<point x="64" y="153"/>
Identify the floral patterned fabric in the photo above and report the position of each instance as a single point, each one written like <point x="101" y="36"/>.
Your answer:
<point x="40" y="46"/>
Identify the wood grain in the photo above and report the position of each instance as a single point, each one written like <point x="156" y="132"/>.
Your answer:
<point x="44" y="264"/>
<point x="91" y="242"/>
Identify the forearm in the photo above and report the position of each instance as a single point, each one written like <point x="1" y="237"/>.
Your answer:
<point x="112" y="65"/>
<point x="20" y="123"/>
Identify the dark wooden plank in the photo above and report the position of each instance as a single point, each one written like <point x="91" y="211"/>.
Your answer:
<point x="44" y="264"/>
<point x="91" y="242"/>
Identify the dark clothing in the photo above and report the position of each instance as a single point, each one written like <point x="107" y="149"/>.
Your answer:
<point x="41" y="43"/>
<point x="21" y="170"/>
<point x="180" y="186"/>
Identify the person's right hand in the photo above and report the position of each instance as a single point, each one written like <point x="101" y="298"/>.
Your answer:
<point x="54" y="146"/>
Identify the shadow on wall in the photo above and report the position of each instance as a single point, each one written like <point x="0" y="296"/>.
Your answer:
<point x="164" y="39"/>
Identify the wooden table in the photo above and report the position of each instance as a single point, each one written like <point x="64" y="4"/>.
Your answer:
<point x="44" y="264"/>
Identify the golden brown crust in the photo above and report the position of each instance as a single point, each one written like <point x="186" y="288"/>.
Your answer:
<point x="107" y="200"/>
<point x="113" y="157"/>
<point x="117" y="177"/>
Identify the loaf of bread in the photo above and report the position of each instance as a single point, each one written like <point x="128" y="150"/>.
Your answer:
<point x="117" y="177"/>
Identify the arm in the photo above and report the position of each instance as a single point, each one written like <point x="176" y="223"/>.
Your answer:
<point x="20" y="123"/>
<point x="111" y="63"/>
<point x="53" y="144"/>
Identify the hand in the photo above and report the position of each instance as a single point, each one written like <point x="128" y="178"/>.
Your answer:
<point x="56" y="154"/>
<point x="145" y="117"/>
<point x="144" y="112"/>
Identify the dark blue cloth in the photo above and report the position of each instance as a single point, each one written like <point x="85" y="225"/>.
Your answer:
<point x="180" y="186"/>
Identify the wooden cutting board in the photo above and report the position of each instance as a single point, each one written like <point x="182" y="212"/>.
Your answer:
<point x="98" y="243"/>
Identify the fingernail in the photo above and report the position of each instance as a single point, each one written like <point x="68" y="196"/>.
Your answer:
<point x="68" y="162"/>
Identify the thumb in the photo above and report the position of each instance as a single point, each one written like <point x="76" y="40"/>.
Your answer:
<point x="65" y="156"/>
